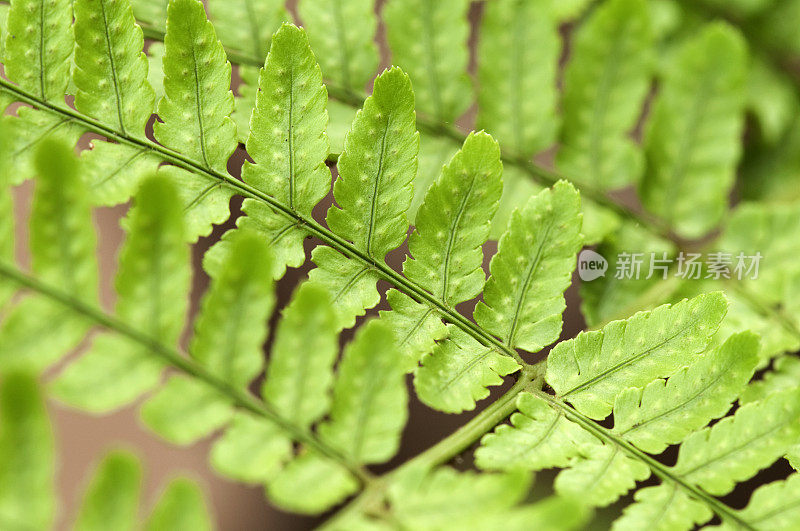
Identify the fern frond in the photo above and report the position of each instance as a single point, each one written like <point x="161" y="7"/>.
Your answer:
<point x="112" y="499"/>
<point x="369" y="398"/>
<point x="524" y="296"/>
<point x="665" y="412"/>
<point x="196" y="110"/>
<point x="692" y="143"/>
<point x="662" y="508"/>
<point x="38" y="47"/>
<point x="62" y="244"/>
<point x="592" y="369"/>
<point x="246" y="25"/>
<point x="299" y="387"/>
<point x="342" y="34"/>
<point x="430" y="43"/>
<point x="458" y="371"/>
<point x="111" y="73"/>
<point x="775" y="505"/>
<point x="27" y="499"/>
<point x="518" y="56"/>
<point x="453" y="223"/>
<point x="152" y="286"/>
<point x="605" y="84"/>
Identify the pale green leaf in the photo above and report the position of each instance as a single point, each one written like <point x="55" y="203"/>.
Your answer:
<point x="38" y="47"/>
<point x="416" y="327"/>
<point x="369" y="397"/>
<point x="663" y="508"/>
<point x="186" y="410"/>
<point x="30" y="128"/>
<point x="180" y="508"/>
<point x="304" y="350"/>
<point x="693" y="140"/>
<point x="287" y="141"/>
<point x="774" y="505"/>
<point x="518" y="54"/>
<point x="605" y="85"/>
<point x="112" y="171"/>
<point x="737" y="447"/>
<point x="524" y="298"/>
<point x="247" y="25"/>
<point x="600" y="475"/>
<point x="592" y="369"/>
<point x="62" y="245"/>
<point x="539" y="437"/>
<point x="112" y="497"/>
<point x="205" y="201"/>
<point x="785" y="374"/>
<point x="772" y="98"/>
<point x="27" y="490"/>
<point x="665" y="412"/>
<point x="342" y="34"/>
<point x="152" y="286"/>
<point x="232" y="325"/>
<point x="251" y="450"/>
<point x="458" y="371"/>
<point x="351" y="284"/>
<point x="245" y="101"/>
<point x="311" y="484"/>
<point x="111" y="67"/>
<point x="453" y="223"/>
<point x="152" y="11"/>
<point x="377" y="169"/>
<point x="195" y="113"/>
<point x="428" y="39"/>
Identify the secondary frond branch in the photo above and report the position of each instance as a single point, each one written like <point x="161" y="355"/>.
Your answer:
<point x="314" y="228"/>
<point x="182" y="363"/>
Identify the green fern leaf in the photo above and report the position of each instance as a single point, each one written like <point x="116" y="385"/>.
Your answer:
<point x="186" y="410"/>
<point x="785" y="374"/>
<point x="230" y="330"/>
<point x="428" y="39"/>
<point x="775" y="505"/>
<point x="662" y="508"/>
<point x="592" y="369"/>
<point x="416" y="327"/>
<point x="196" y="110"/>
<point x="539" y="437"/>
<point x="246" y="25"/>
<point x="369" y="398"/>
<point x="665" y="412"/>
<point x="600" y="475"/>
<point x="152" y="286"/>
<point x="62" y="244"/>
<point x="604" y="88"/>
<point x="377" y="168"/>
<point x="434" y="152"/>
<point x="453" y="223"/>
<point x="311" y="484"/>
<point x="155" y="69"/>
<point x="181" y="506"/>
<point x="251" y="450"/>
<point x="111" y="73"/>
<point x="342" y="33"/>
<point x="524" y="297"/>
<point x="151" y="11"/>
<point x="38" y="47"/>
<point x="27" y="498"/>
<point x="458" y="371"/>
<point x="112" y="498"/>
<point x="737" y="447"/>
<point x="693" y="140"/>
<point x="444" y="498"/>
<point x="518" y="56"/>
<point x="299" y="387"/>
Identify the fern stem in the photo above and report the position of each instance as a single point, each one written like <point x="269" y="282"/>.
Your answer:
<point x="240" y="398"/>
<point x="660" y="470"/>
<point x="309" y="224"/>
